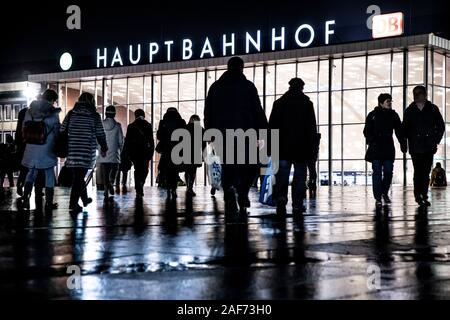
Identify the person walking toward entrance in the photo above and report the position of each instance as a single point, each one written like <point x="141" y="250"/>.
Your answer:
<point x="196" y="153"/>
<point x="85" y="130"/>
<point x="381" y="122"/>
<point x="40" y="127"/>
<point x="110" y="163"/>
<point x="7" y="156"/>
<point x="293" y="115"/>
<point x="139" y="146"/>
<point x="424" y="128"/>
<point x="169" y="171"/>
<point x="233" y="103"/>
<point x="438" y="176"/>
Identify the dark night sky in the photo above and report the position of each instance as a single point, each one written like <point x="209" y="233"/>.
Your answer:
<point x="33" y="35"/>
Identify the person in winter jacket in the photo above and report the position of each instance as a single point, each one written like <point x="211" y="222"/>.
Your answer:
<point x="197" y="148"/>
<point x="293" y="115"/>
<point x="169" y="170"/>
<point x="110" y="163"/>
<point x="85" y="130"/>
<point x="424" y="128"/>
<point x="139" y="147"/>
<point x="41" y="156"/>
<point x="233" y="103"/>
<point x="7" y="156"/>
<point x="378" y="130"/>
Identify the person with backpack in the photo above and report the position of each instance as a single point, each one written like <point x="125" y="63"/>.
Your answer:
<point x="139" y="146"/>
<point x="438" y="176"/>
<point x="39" y="130"/>
<point x="85" y="130"/>
<point x="110" y="164"/>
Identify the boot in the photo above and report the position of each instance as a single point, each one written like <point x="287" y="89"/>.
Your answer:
<point x="49" y="205"/>
<point x="25" y="199"/>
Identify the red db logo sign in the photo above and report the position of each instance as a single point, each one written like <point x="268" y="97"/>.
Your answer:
<point x="387" y="25"/>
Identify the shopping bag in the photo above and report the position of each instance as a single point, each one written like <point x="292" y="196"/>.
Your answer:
<point x="266" y="194"/>
<point x="214" y="170"/>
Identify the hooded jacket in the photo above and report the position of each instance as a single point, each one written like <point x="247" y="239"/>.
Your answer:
<point x="42" y="156"/>
<point x="114" y="140"/>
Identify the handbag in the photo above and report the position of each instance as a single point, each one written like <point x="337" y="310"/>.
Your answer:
<point x="61" y="147"/>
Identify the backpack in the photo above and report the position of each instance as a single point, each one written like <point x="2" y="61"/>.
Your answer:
<point x="34" y="132"/>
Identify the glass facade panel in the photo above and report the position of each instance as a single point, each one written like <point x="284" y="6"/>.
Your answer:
<point x="307" y="71"/>
<point x="416" y="62"/>
<point x="169" y="88"/>
<point x="379" y="70"/>
<point x="354" y="109"/>
<point x="187" y="86"/>
<point x="354" y="72"/>
<point x="438" y="77"/>
<point x="354" y="146"/>
<point x="119" y="91"/>
<point x="136" y="90"/>
<point x="285" y="72"/>
<point x="397" y="69"/>
<point x="322" y="115"/>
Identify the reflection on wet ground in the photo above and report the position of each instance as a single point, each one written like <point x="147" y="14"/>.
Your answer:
<point x="342" y="248"/>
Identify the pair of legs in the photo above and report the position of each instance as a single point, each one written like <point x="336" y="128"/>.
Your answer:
<point x="78" y="189"/>
<point x="140" y="175"/>
<point x="298" y="185"/>
<point x="382" y="179"/>
<point x="237" y="179"/>
<point x="190" y="175"/>
<point x="312" y="181"/>
<point x="6" y="172"/>
<point x="422" y="163"/>
<point x="31" y="178"/>
<point x="124" y="181"/>
<point x="109" y="171"/>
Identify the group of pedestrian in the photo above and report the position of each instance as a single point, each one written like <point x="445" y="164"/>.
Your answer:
<point x="420" y="132"/>
<point x="232" y="103"/>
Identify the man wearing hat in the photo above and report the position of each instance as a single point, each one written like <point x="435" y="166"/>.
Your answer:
<point x="110" y="163"/>
<point x="293" y="115"/>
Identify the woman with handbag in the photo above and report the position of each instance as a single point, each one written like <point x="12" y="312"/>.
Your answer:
<point x="84" y="127"/>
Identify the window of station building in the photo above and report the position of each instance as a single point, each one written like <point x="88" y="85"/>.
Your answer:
<point x="354" y="142"/>
<point x="200" y="87"/>
<point x="119" y="92"/>
<point x="416" y="62"/>
<point x="322" y="109"/>
<point x="438" y="78"/>
<point x="308" y="72"/>
<point x="336" y="75"/>
<point x="249" y="73"/>
<point x="259" y="79"/>
<point x="188" y="83"/>
<point x="7" y="112"/>
<point x="447" y="105"/>
<point x="16" y="110"/>
<point x="284" y="73"/>
<point x="354" y="72"/>
<point x="447" y="71"/>
<point x="379" y="70"/>
<point x="157" y="95"/>
<point x="354" y="173"/>
<point x="397" y="69"/>
<point x="324" y="67"/>
<point x="439" y="99"/>
<point x="169" y="88"/>
<point x="323" y="149"/>
<point x="336" y="100"/>
<point x="269" y="105"/>
<point x="199" y="109"/>
<point x="336" y="141"/>
<point x="136" y="90"/>
<point x="322" y="173"/>
<point x="397" y="100"/>
<point x="354" y="106"/>
<point x="270" y="80"/>
<point x="72" y="90"/>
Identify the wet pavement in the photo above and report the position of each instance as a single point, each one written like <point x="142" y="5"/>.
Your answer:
<point x="342" y="248"/>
